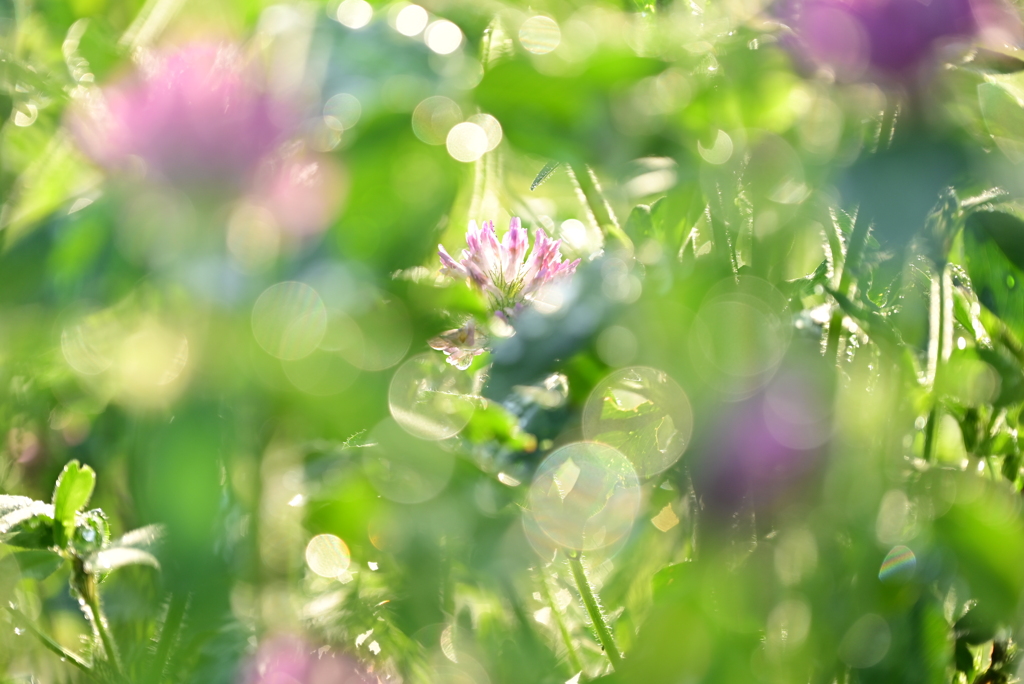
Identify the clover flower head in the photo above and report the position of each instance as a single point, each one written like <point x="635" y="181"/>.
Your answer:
<point x="502" y="270"/>
<point x="197" y="117"/>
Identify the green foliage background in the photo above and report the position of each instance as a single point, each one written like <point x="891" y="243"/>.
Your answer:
<point x="888" y="244"/>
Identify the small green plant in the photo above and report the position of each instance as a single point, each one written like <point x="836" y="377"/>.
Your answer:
<point x="44" y="536"/>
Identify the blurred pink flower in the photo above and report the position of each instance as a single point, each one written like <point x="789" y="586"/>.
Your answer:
<point x="502" y="271"/>
<point x="287" y="659"/>
<point x="303" y="192"/>
<point x="891" y="37"/>
<point x="197" y="118"/>
<point x="763" y="452"/>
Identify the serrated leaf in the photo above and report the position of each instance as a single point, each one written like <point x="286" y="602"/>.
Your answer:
<point x="71" y="493"/>
<point x="544" y="174"/>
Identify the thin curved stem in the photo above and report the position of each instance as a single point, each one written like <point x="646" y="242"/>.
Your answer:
<point x="604" y="633"/>
<point x="100" y="623"/>
<point x="939" y="348"/>
<point x="84" y="584"/>
<point x="850" y="264"/>
<point x="48" y="642"/>
<point x="594" y="199"/>
<point x="563" y="631"/>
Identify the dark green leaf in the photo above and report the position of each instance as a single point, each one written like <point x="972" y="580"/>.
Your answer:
<point x="639" y="224"/>
<point x="993" y="252"/>
<point x="565" y="117"/>
<point x="38" y="564"/>
<point x="29" y="527"/>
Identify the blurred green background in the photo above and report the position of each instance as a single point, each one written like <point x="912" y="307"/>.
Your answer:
<point x="766" y="433"/>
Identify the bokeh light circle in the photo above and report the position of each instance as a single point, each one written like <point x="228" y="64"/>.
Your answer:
<point x="87" y="344"/>
<point x="467" y="142"/>
<point x="430" y="398"/>
<point x="540" y="35"/>
<point x="644" y="414"/>
<point x="584" y="496"/>
<point x="433" y="118"/>
<point x="740" y="335"/>
<point x="386" y="336"/>
<point x="411" y="20"/>
<point x="403" y="468"/>
<point x="323" y="373"/>
<point x="491" y="126"/>
<point x="289" y="320"/>
<point x="720" y="150"/>
<point x="342" y="111"/>
<point x="327" y="555"/>
<point x="899" y="565"/>
<point x="354" y="14"/>
<point x="443" y="37"/>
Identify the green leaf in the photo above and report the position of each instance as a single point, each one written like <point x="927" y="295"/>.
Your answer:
<point x="639" y="224"/>
<point x="29" y="526"/>
<point x="567" y="118"/>
<point x="13" y="517"/>
<point x="131" y="549"/>
<point x="37" y="563"/>
<point x="544" y="174"/>
<point x="994" y="258"/>
<point x="71" y="494"/>
<point x="1004" y="117"/>
<point x="49" y="181"/>
<point x="10" y="503"/>
<point x="986" y="536"/>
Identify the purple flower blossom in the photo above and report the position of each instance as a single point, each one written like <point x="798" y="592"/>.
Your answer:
<point x="502" y="271"/>
<point x="762" y="451"/>
<point x="889" y="37"/>
<point x="197" y="119"/>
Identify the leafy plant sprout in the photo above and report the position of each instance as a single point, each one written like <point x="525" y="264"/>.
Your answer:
<point x="63" y="530"/>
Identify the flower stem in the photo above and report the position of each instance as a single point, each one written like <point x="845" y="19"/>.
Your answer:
<point x="594" y="199"/>
<point x="939" y="348"/>
<point x="49" y="643"/>
<point x="570" y="649"/>
<point x="850" y="265"/>
<point x="604" y="633"/>
<point x="85" y="584"/>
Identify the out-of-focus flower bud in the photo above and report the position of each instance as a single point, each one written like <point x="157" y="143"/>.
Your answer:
<point x="887" y="38"/>
<point x="302" y="192"/>
<point x="196" y="118"/>
<point x="286" y="659"/>
<point x="764" y="450"/>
